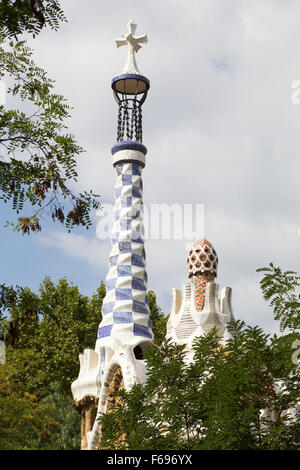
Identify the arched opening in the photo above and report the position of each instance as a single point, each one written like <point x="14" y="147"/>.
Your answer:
<point x="116" y="384"/>
<point x="138" y="352"/>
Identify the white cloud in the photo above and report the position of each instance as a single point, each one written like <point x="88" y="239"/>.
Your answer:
<point x="92" y="251"/>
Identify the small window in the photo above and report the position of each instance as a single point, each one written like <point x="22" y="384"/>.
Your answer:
<point x="138" y="352"/>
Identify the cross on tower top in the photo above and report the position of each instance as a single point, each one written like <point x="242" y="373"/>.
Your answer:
<point x="133" y="44"/>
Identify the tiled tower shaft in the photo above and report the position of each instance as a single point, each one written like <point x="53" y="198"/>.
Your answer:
<point x="125" y="309"/>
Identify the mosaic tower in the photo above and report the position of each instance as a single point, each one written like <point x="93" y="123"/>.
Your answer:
<point x="125" y="330"/>
<point x="200" y="309"/>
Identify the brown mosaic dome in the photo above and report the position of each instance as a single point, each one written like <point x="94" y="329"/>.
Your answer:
<point x="202" y="259"/>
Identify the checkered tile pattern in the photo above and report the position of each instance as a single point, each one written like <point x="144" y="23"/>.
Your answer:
<point x="125" y="308"/>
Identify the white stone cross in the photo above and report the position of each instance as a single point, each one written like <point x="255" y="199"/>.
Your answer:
<point x="133" y="46"/>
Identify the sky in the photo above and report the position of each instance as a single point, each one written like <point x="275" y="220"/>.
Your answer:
<point x="219" y="125"/>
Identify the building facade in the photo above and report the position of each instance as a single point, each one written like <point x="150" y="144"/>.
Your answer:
<point x="125" y="330"/>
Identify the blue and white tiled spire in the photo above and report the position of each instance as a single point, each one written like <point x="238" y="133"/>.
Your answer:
<point x="125" y="309"/>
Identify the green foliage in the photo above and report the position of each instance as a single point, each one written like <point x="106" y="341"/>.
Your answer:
<point x="30" y="16"/>
<point x="215" y="402"/>
<point x="45" y="333"/>
<point x="28" y="422"/>
<point x="37" y="156"/>
<point x="281" y="289"/>
<point x="159" y="320"/>
<point x="61" y="410"/>
<point x="25" y="422"/>
<point x="283" y="347"/>
<point x="8" y="298"/>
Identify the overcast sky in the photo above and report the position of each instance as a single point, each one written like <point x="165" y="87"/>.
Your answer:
<point x="219" y="126"/>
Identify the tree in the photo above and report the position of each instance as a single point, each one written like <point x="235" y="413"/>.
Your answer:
<point x="45" y="334"/>
<point x="37" y="154"/>
<point x="159" y="320"/>
<point x="25" y="422"/>
<point x="244" y="385"/>
<point x="60" y="410"/>
<point x="282" y="291"/>
<point x="19" y="16"/>
<point x="235" y="397"/>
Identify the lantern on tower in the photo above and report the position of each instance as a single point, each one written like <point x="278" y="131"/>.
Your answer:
<point x="130" y="90"/>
